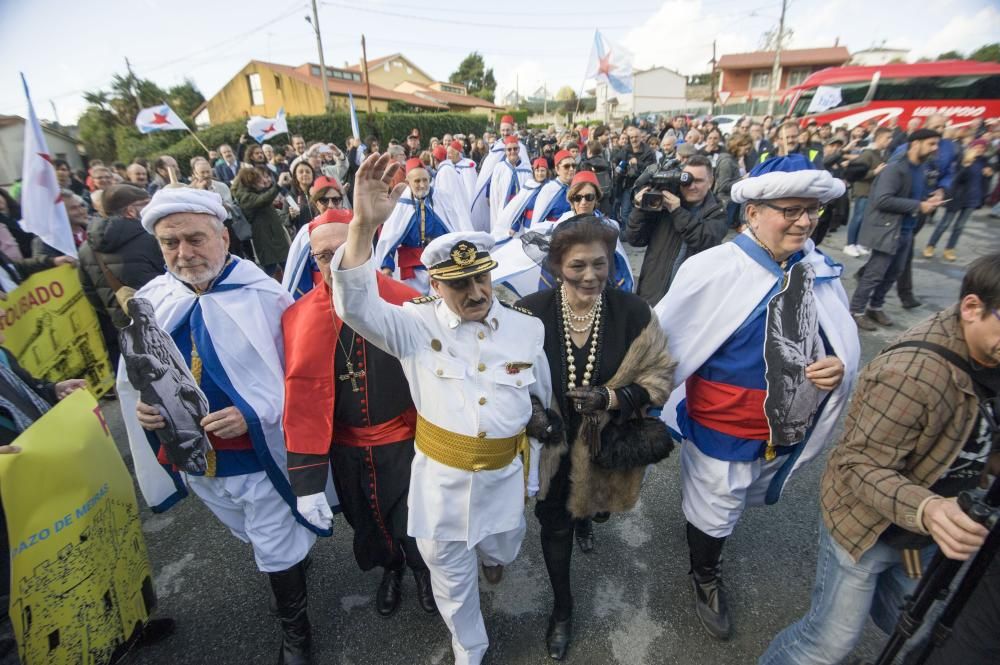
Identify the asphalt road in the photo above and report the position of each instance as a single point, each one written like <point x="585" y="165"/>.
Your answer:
<point x="633" y="602"/>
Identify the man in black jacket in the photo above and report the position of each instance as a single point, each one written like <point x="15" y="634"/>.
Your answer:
<point x="118" y="252"/>
<point x="685" y="225"/>
<point x="628" y="164"/>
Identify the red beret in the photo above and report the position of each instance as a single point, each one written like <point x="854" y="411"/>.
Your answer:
<point x="332" y="216"/>
<point x="540" y="163"/>
<point x="511" y="140"/>
<point x="509" y="119"/>
<point x="585" y="176"/>
<point x="457" y="145"/>
<point x="414" y="163"/>
<point x="440" y="153"/>
<point x="323" y="182"/>
<point x="563" y="154"/>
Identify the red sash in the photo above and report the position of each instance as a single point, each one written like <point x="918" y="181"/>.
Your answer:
<point x="409" y="259"/>
<point x="726" y="408"/>
<point x="398" y="429"/>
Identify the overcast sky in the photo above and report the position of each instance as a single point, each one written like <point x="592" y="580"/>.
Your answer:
<point x="65" y="47"/>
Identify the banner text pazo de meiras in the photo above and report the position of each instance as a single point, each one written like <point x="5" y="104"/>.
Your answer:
<point x="52" y="330"/>
<point x="81" y="583"/>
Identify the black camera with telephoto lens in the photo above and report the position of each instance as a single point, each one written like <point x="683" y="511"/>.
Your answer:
<point x="668" y="178"/>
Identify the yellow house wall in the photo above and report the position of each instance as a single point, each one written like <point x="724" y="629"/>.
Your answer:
<point x="396" y="75"/>
<point x="233" y="102"/>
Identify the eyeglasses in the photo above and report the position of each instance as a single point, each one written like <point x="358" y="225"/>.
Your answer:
<point x="323" y="257"/>
<point x="330" y="200"/>
<point x="794" y="213"/>
<point x="589" y="198"/>
<point x="568" y="166"/>
<point x="513" y="149"/>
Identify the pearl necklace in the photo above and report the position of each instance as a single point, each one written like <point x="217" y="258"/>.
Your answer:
<point x="593" y="318"/>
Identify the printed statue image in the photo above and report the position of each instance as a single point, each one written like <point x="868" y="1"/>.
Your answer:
<point x="155" y="368"/>
<point x="792" y="343"/>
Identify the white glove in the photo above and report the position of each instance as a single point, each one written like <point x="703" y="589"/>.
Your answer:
<point x="316" y="509"/>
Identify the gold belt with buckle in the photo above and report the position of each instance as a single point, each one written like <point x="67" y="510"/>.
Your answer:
<point x="469" y="453"/>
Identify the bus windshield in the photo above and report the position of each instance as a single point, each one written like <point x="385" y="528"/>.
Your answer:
<point x="850" y="93"/>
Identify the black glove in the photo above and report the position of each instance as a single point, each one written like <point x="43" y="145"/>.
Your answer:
<point x="587" y="400"/>
<point x="544" y="424"/>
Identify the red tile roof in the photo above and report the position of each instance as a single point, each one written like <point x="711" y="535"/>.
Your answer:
<point x="835" y="55"/>
<point x="452" y="98"/>
<point x="356" y="88"/>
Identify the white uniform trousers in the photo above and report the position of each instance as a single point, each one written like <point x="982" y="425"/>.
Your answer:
<point x="715" y="491"/>
<point x="256" y="514"/>
<point x="455" y="581"/>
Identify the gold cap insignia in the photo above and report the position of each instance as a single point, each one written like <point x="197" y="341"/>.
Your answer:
<point x="463" y="254"/>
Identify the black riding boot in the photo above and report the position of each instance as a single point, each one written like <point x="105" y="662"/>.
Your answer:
<point x="557" y="547"/>
<point x="289" y="587"/>
<point x="706" y="578"/>
<point x="585" y="535"/>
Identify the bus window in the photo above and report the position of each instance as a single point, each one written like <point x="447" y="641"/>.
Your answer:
<point x="939" y="87"/>
<point x="850" y="93"/>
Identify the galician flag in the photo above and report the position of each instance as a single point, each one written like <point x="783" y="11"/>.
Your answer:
<point x="610" y="63"/>
<point x="158" y="119"/>
<point x="261" y="128"/>
<point x="354" y="117"/>
<point x="42" y="209"/>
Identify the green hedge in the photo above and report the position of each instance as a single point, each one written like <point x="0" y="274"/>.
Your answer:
<point x="328" y="128"/>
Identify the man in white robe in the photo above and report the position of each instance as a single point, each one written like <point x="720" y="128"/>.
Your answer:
<point x="546" y="205"/>
<point x="224" y="315"/>
<point x="480" y="197"/>
<point x="508" y="178"/>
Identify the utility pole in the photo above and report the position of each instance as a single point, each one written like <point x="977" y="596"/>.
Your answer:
<point x="711" y="82"/>
<point x="776" y="69"/>
<point x="545" y="98"/>
<point x="314" y="21"/>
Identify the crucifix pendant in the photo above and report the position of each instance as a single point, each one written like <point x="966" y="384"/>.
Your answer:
<point x="352" y="376"/>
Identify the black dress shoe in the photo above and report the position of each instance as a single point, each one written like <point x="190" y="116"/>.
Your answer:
<point x="600" y="518"/>
<point x="493" y="574"/>
<point x="585" y="536"/>
<point x="388" y="595"/>
<point x="558" y="636"/>
<point x="710" y="605"/>
<point x="910" y="302"/>
<point x="156" y="630"/>
<point x="425" y="594"/>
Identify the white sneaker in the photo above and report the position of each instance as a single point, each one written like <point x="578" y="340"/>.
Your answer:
<point x="852" y="251"/>
<point x="864" y="250"/>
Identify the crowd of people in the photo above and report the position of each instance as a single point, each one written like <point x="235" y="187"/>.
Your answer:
<point x="327" y="299"/>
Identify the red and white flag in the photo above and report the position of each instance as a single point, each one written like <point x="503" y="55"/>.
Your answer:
<point x="42" y="209"/>
<point x="261" y="128"/>
<point x="158" y="119"/>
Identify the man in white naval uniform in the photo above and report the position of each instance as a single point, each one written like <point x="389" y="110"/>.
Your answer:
<point x="474" y="367"/>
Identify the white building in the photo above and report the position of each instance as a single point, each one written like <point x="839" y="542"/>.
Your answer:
<point x="653" y="90"/>
<point x="880" y="55"/>
<point x="61" y="146"/>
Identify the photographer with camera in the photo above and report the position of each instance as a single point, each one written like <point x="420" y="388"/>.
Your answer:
<point x="629" y="163"/>
<point x="675" y="217"/>
<point x="915" y="438"/>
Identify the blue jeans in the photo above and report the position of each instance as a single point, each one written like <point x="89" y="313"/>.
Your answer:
<point x="858" y="214"/>
<point x="844" y="595"/>
<point x="942" y="226"/>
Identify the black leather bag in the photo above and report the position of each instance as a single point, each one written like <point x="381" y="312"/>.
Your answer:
<point x="633" y="443"/>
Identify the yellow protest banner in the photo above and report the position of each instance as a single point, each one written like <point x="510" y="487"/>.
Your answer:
<point x="80" y="577"/>
<point x="52" y="330"/>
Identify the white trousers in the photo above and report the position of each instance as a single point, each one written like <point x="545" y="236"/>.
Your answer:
<point x="715" y="491"/>
<point x="256" y="514"/>
<point x="455" y="581"/>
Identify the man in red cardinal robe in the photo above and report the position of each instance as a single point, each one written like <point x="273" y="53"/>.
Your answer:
<point x="348" y="408"/>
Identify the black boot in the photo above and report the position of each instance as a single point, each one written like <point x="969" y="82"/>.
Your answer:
<point x="289" y="588"/>
<point x="388" y="594"/>
<point x="706" y="578"/>
<point x="425" y="594"/>
<point x="585" y="535"/>
<point x="558" y="637"/>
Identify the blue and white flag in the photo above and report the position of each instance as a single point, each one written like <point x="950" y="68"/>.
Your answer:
<point x="158" y="119"/>
<point x="261" y="128"/>
<point x="610" y="63"/>
<point x="354" y="117"/>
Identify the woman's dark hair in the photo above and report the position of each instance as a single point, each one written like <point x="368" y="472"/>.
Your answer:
<point x="56" y="163"/>
<point x="246" y="178"/>
<point x="983" y="280"/>
<point x="296" y="189"/>
<point x="579" y="230"/>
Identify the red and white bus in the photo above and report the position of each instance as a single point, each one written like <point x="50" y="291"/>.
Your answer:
<point x="963" y="90"/>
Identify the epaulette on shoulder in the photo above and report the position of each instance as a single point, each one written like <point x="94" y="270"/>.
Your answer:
<point x="423" y="300"/>
<point x="522" y="310"/>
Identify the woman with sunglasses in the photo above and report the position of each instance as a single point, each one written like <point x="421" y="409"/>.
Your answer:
<point x="301" y="272"/>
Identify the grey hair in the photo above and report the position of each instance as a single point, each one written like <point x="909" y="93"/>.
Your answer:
<point x="396" y="151"/>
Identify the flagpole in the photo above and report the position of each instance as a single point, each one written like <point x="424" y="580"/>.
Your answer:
<point x="368" y="83"/>
<point x="195" y="136"/>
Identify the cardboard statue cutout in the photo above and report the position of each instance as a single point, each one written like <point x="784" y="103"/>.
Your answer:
<point x="792" y="342"/>
<point x="156" y="369"/>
